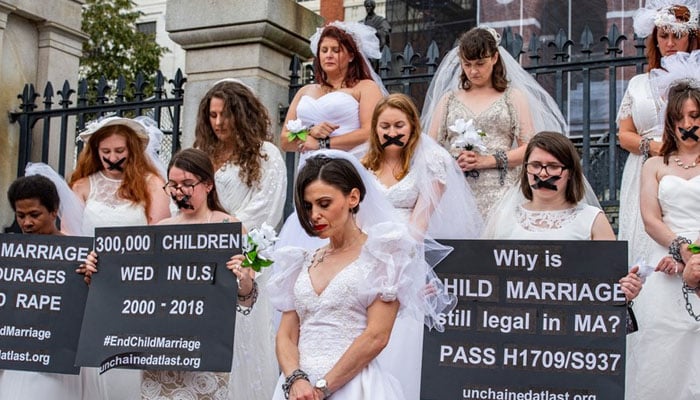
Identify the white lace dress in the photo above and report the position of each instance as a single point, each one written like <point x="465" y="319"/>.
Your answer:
<point x="264" y="202"/>
<point x="332" y="320"/>
<point x="644" y="108"/>
<point x="254" y="368"/>
<point x="571" y="224"/>
<point x="663" y="356"/>
<point x="104" y="209"/>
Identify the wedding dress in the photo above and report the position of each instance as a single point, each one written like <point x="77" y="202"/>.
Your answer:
<point x="639" y="103"/>
<point x="331" y="320"/>
<point x="502" y="128"/>
<point x="664" y="355"/>
<point x="264" y="202"/>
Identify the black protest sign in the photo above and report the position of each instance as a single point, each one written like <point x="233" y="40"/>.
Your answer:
<point x="163" y="298"/>
<point x="535" y="320"/>
<point x="42" y="300"/>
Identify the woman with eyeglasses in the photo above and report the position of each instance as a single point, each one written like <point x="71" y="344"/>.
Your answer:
<point x="192" y="187"/>
<point x="548" y="203"/>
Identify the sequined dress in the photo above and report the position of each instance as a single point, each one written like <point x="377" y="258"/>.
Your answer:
<point x="500" y="122"/>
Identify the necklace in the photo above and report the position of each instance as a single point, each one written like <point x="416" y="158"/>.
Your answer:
<point x="682" y="165"/>
<point x="328" y="251"/>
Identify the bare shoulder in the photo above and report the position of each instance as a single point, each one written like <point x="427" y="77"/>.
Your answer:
<point x="81" y="187"/>
<point x="218" y="216"/>
<point x="367" y="84"/>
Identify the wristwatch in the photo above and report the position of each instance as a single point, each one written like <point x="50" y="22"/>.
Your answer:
<point x="322" y="386"/>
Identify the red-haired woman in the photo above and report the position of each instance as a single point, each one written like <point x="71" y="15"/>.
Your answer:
<point x="120" y="187"/>
<point x="337" y="110"/>
<point x="669" y="27"/>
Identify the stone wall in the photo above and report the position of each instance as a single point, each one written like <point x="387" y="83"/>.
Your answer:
<point x="38" y="44"/>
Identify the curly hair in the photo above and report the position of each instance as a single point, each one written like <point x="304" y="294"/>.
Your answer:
<point x="478" y="43"/>
<point x="357" y="70"/>
<point x="677" y="95"/>
<point x="682" y="13"/>
<point x="375" y="155"/>
<point x="249" y="124"/>
<point x="137" y="167"/>
<point x="34" y="187"/>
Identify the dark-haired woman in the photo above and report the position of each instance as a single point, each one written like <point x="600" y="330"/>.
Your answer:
<point x="669" y="27"/>
<point x="664" y="355"/>
<point x="339" y="302"/>
<point x="500" y="111"/>
<point x="337" y="110"/>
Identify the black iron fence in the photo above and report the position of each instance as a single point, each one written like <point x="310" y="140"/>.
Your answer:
<point x="587" y="79"/>
<point x="62" y="123"/>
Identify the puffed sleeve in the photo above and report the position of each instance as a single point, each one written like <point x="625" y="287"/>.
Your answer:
<point x="395" y="270"/>
<point x="267" y="204"/>
<point x="280" y="288"/>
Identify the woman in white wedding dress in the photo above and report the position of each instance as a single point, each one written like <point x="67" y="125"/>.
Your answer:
<point x="337" y="110"/>
<point x="120" y="186"/>
<point x="664" y="355"/>
<point x="339" y="302"/>
<point x="233" y="127"/>
<point x="423" y="183"/>
<point x="35" y="202"/>
<point x="192" y="187"/>
<point x="669" y="26"/>
<point x="474" y="83"/>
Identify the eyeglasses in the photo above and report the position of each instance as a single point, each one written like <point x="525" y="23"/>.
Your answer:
<point x="535" y="168"/>
<point x="186" y="188"/>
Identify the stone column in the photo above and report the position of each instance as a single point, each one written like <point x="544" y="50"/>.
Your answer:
<point x="39" y="42"/>
<point x="60" y="49"/>
<point x="249" y="40"/>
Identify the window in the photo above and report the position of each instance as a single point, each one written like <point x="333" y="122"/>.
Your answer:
<point x="148" y="28"/>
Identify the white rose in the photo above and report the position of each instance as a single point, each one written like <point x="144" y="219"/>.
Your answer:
<point x="458" y="126"/>
<point x="295" y="125"/>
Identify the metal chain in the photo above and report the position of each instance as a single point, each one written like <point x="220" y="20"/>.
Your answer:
<point x="254" y="294"/>
<point x="688" y="306"/>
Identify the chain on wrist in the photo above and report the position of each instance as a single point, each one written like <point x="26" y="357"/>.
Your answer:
<point x="675" y="248"/>
<point x="501" y="165"/>
<point x="324" y="143"/>
<point x="253" y="294"/>
<point x="644" y="148"/>
<point x="293" y="377"/>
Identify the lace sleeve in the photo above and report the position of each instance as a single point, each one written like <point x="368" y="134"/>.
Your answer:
<point x="437" y="169"/>
<point x="625" y="110"/>
<point x="280" y="288"/>
<point x="267" y="203"/>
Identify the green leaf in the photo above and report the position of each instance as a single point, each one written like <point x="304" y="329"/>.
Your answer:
<point x="694" y="248"/>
